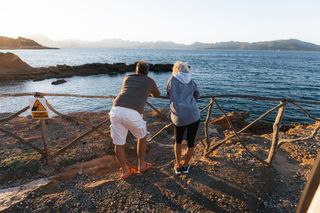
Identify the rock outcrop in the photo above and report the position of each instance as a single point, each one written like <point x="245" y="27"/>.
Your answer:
<point x="13" y="68"/>
<point x="239" y="121"/>
<point x="59" y="81"/>
<point x="11" y="64"/>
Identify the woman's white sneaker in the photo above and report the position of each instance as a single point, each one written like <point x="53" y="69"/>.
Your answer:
<point x="185" y="169"/>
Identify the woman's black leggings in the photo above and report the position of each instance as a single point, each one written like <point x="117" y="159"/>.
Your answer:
<point x="191" y="133"/>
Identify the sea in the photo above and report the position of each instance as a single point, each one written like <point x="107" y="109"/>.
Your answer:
<point x="278" y="74"/>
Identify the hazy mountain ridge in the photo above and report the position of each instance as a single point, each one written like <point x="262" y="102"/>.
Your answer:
<point x="290" y="44"/>
<point x="39" y="40"/>
<point x="107" y="43"/>
<point x="19" y="43"/>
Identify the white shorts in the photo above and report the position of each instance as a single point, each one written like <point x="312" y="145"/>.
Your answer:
<point x="124" y="119"/>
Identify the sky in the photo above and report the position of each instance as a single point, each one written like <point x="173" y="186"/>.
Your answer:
<point x="182" y="21"/>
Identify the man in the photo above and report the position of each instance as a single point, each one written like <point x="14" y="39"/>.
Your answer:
<point x="126" y="115"/>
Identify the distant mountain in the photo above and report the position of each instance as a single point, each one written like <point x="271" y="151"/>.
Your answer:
<point x="290" y="44"/>
<point x="107" y="43"/>
<point x="19" y="43"/>
<point x="200" y="45"/>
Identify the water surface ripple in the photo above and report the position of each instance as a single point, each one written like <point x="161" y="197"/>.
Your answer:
<point x="264" y="73"/>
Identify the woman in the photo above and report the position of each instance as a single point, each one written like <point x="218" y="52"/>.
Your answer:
<point x="185" y="114"/>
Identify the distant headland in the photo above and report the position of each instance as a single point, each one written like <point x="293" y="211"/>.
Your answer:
<point x="20" y="43"/>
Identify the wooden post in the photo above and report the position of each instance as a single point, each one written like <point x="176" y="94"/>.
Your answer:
<point x="243" y="129"/>
<point x="206" y="132"/>
<point x="236" y="133"/>
<point x="44" y="134"/>
<point x="275" y="136"/>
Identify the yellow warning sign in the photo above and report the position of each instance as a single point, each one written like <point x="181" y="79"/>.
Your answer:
<point x="40" y="115"/>
<point x="39" y="108"/>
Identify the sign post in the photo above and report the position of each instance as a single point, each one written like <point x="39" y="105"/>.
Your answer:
<point x="39" y="111"/>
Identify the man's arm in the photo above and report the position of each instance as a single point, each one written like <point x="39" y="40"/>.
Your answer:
<point x="155" y="92"/>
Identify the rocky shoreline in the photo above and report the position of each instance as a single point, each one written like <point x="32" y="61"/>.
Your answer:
<point x="13" y="68"/>
<point x="64" y="71"/>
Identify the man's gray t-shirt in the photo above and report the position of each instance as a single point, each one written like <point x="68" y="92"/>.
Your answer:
<point x="135" y="91"/>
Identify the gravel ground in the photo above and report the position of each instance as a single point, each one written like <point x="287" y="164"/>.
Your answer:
<point x="86" y="177"/>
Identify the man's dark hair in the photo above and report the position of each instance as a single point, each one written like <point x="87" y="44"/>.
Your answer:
<point x="142" y="68"/>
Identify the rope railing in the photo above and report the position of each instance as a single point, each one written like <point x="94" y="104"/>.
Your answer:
<point x="239" y="96"/>
<point x="48" y="154"/>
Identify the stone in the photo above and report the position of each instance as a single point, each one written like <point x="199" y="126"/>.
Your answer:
<point x="236" y="118"/>
<point x="261" y="127"/>
<point x="59" y="81"/>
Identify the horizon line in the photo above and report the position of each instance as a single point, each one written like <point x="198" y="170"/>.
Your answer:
<point x="155" y="41"/>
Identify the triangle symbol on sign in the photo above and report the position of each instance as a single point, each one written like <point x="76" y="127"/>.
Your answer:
<point x="37" y="106"/>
